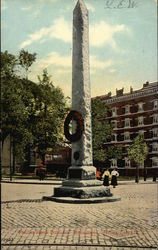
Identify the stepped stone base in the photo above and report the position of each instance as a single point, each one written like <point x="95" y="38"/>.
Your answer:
<point x="82" y="187"/>
<point x="81" y="183"/>
<point x="82" y="201"/>
<point x="82" y="192"/>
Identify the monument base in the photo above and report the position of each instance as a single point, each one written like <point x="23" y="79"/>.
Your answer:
<point x="82" y="187"/>
<point x="87" y="191"/>
<point x="82" y="192"/>
<point x="81" y="201"/>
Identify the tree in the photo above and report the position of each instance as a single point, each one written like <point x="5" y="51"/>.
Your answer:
<point x="15" y="114"/>
<point x="31" y="113"/>
<point x="53" y="108"/>
<point x="138" y="152"/>
<point x="101" y="132"/>
<point x="26" y="59"/>
<point x="12" y="106"/>
<point x="8" y="64"/>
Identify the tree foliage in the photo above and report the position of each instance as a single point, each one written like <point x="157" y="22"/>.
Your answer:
<point x="102" y="131"/>
<point x="8" y="64"/>
<point x="138" y="151"/>
<point x="51" y="113"/>
<point x="32" y="113"/>
<point x="26" y="59"/>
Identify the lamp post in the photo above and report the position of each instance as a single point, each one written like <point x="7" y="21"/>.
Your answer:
<point x="10" y="160"/>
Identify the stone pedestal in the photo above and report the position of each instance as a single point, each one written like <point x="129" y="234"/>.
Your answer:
<point x="84" y="187"/>
<point x="82" y="184"/>
<point x="82" y="192"/>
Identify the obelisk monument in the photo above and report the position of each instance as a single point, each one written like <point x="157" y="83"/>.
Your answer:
<point x="81" y="93"/>
<point x="81" y="183"/>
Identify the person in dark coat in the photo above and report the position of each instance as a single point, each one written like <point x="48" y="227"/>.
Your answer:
<point x="41" y="172"/>
<point x="106" y="176"/>
<point x="114" y="175"/>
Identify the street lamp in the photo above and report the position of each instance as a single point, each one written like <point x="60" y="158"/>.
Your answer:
<point x="10" y="160"/>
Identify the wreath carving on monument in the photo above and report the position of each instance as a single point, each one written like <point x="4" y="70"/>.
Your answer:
<point x="76" y="116"/>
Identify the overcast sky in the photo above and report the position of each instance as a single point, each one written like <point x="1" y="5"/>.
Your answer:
<point x="123" y="41"/>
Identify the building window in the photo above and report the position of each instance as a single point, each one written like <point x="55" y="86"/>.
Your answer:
<point x="114" y="123"/>
<point x="127" y="109"/>
<point x="155" y="118"/>
<point x="155" y="133"/>
<point x="141" y="132"/>
<point x="127" y="162"/>
<point x="140" y="120"/>
<point x="141" y="165"/>
<point x="113" y="162"/>
<point x="57" y="157"/>
<point x="140" y="106"/>
<point x="155" y="147"/>
<point x="48" y="157"/>
<point x="127" y="122"/>
<point x="155" y="162"/>
<point x="114" y="137"/>
<point x="126" y="136"/>
<point x="114" y="111"/>
<point x="155" y="104"/>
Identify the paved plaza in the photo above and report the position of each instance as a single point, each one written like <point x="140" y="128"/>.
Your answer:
<point x="30" y="223"/>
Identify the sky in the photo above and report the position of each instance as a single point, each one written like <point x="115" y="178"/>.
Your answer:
<point x="122" y="40"/>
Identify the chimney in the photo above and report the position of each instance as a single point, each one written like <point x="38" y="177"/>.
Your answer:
<point x="131" y="90"/>
<point x="145" y="84"/>
<point x="119" y="92"/>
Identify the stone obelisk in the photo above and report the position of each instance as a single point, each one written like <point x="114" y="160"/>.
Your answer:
<point x="81" y="93"/>
<point x="81" y="183"/>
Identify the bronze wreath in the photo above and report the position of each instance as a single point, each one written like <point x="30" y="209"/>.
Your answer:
<point x="74" y="115"/>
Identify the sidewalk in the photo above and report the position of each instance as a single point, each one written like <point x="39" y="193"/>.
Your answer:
<point x="32" y="181"/>
<point x="59" y="182"/>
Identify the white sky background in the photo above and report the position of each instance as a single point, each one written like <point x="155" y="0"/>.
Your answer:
<point x="123" y="41"/>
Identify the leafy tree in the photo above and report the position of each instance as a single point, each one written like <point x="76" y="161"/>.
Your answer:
<point x="15" y="114"/>
<point x="31" y="113"/>
<point x="8" y="64"/>
<point x="26" y="59"/>
<point x="102" y="131"/>
<point x="51" y="114"/>
<point x="138" y="152"/>
<point x="12" y="106"/>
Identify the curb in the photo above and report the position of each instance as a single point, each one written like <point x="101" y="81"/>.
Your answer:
<point x="34" y="183"/>
<point x="60" y="182"/>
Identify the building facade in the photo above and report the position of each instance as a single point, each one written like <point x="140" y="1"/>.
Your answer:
<point x="134" y="113"/>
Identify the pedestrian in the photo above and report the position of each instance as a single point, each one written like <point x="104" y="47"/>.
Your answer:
<point x="41" y="171"/>
<point x="154" y="175"/>
<point x="145" y="174"/>
<point x="98" y="174"/>
<point x="106" y="176"/>
<point x="114" y="175"/>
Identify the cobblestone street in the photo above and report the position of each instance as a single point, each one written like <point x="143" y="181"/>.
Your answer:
<point x="36" y="224"/>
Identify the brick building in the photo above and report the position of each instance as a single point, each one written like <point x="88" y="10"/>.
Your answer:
<point x="134" y="113"/>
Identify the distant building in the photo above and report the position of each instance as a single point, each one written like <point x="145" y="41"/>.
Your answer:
<point x="134" y="113"/>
